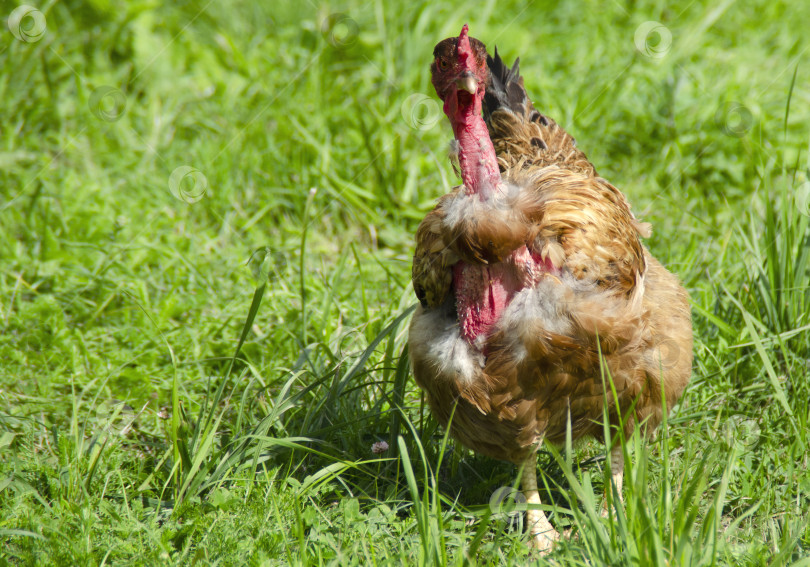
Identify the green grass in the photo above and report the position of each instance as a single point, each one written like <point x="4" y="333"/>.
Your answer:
<point x="194" y="369"/>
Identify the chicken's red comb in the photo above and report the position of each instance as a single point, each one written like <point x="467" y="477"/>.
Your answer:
<point x="465" y="53"/>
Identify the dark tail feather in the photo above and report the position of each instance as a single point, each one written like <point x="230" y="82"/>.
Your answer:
<point x="505" y="89"/>
<point x="521" y="135"/>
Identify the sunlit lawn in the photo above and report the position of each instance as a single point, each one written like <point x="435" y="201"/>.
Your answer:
<point x="207" y="226"/>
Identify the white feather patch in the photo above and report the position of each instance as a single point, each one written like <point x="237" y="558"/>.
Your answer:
<point x="532" y="309"/>
<point x="445" y="348"/>
<point x="544" y="303"/>
<point x="501" y="204"/>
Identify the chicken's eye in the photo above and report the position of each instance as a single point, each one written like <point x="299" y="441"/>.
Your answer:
<point x="443" y="65"/>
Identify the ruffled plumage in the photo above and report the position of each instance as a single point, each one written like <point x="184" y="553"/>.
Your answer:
<point x="598" y="294"/>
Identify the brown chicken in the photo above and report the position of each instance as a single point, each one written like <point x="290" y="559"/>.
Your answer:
<point x="536" y="292"/>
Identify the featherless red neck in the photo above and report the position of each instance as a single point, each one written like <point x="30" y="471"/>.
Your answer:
<point x="460" y="75"/>
<point x="476" y="154"/>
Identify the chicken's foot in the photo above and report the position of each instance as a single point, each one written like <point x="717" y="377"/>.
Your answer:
<point x="543" y="535"/>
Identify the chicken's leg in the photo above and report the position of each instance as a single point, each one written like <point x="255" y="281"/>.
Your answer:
<point x="543" y="535"/>
<point x="616" y="478"/>
<point x="617" y="469"/>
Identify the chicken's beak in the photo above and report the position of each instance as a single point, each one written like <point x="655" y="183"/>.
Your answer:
<point x="467" y="82"/>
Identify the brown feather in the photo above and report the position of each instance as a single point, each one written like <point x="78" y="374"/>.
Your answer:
<point x="607" y="312"/>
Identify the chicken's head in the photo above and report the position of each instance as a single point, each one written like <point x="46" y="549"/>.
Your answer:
<point x="459" y="72"/>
